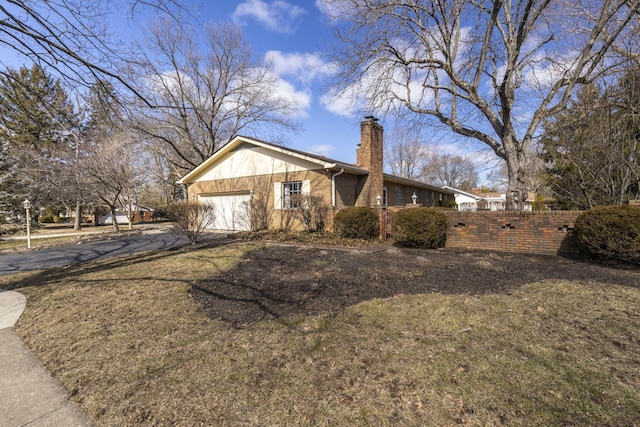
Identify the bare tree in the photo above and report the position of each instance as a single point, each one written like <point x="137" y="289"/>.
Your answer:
<point x="71" y="37"/>
<point x="116" y="173"/>
<point x="490" y="69"/>
<point x="192" y="219"/>
<point x="405" y="154"/>
<point x="452" y="170"/>
<point x="202" y="100"/>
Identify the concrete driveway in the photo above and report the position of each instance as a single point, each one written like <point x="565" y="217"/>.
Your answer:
<point x="89" y="251"/>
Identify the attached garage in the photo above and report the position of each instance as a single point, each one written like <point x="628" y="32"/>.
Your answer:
<point x="229" y="210"/>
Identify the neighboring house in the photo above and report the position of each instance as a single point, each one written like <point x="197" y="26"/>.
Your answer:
<point x="487" y="201"/>
<point x="140" y="214"/>
<point x="248" y="168"/>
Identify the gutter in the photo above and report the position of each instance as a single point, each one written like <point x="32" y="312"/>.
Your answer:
<point x="333" y="187"/>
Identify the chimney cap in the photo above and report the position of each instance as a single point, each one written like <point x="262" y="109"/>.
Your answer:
<point x="371" y="118"/>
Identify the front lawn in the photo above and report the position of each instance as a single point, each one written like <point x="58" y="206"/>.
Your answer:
<point x="260" y="334"/>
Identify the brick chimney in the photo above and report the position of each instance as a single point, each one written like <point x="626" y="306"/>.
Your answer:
<point x="369" y="156"/>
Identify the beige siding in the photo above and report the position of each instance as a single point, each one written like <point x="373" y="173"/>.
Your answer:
<point x="319" y="182"/>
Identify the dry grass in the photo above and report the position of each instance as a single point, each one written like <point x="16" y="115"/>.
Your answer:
<point x="317" y="238"/>
<point x="8" y="246"/>
<point x="132" y="347"/>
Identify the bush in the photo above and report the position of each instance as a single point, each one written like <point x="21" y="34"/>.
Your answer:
<point x="311" y="212"/>
<point x="254" y="214"/>
<point x="611" y="232"/>
<point x="46" y="219"/>
<point x="191" y="219"/>
<point x="422" y="227"/>
<point x="357" y="223"/>
<point x="449" y="204"/>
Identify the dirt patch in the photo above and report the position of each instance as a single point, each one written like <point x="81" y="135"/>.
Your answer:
<point x="287" y="281"/>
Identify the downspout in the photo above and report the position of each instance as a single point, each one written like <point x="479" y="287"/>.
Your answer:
<point x="333" y="187"/>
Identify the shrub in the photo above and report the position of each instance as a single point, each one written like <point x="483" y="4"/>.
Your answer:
<point x="538" y="203"/>
<point x="449" y="204"/>
<point x="46" y="219"/>
<point x="422" y="227"/>
<point x="311" y="212"/>
<point x="254" y="214"/>
<point x="191" y="219"/>
<point x="357" y="223"/>
<point x="611" y="232"/>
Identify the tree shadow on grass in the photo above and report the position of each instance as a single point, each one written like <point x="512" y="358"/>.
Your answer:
<point x="286" y="282"/>
<point x="74" y="270"/>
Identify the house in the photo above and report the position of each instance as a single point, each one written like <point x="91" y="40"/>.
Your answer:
<point x="249" y="169"/>
<point x="140" y="214"/>
<point x="485" y="201"/>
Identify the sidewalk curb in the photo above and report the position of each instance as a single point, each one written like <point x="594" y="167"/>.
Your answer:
<point x="30" y="396"/>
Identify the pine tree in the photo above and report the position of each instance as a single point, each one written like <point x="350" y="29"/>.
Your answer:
<point x="591" y="148"/>
<point x="35" y="119"/>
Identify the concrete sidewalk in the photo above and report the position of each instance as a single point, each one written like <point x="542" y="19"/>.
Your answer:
<point x="28" y="394"/>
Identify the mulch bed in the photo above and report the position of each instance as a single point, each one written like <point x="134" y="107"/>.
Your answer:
<point x="288" y="281"/>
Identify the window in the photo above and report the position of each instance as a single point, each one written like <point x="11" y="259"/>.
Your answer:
<point x="428" y="198"/>
<point x="384" y="196"/>
<point x="399" y="196"/>
<point x="289" y="192"/>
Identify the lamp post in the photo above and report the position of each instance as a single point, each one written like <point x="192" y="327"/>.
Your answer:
<point x="27" y="205"/>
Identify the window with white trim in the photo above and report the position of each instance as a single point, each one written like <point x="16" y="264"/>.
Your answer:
<point x="289" y="192"/>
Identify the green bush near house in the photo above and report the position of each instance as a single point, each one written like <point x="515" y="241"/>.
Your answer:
<point x="357" y="223"/>
<point x="421" y="227"/>
<point x="611" y="232"/>
<point x="449" y="204"/>
<point x="46" y="219"/>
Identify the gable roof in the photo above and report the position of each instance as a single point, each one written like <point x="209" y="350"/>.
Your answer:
<point x="417" y="184"/>
<point x="464" y="193"/>
<point x="324" y="162"/>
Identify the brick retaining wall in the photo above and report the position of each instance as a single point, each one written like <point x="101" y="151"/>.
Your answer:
<point x="538" y="232"/>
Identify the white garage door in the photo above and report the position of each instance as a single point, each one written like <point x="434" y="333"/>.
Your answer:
<point x="229" y="211"/>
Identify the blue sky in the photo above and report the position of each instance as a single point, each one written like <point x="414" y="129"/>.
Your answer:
<point x="292" y="35"/>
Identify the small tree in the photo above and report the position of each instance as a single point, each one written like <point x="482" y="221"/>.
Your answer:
<point x="311" y="211"/>
<point x="191" y="219"/>
<point x="254" y="214"/>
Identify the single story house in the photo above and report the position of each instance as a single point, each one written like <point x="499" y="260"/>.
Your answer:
<point x="140" y="214"/>
<point x="248" y="169"/>
<point x="487" y="201"/>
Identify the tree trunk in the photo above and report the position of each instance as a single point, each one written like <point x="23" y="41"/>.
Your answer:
<point x="517" y="191"/>
<point x="113" y="219"/>
<point x="77" y="224"/>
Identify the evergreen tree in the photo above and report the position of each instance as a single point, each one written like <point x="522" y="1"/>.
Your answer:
<point x="35" y="119"/>
<point x="590" y="149"/>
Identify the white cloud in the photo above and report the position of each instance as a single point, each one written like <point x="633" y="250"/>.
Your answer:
<point x="345" y="104"/>
<point x="301" y="99"/>
<point x="278" y="16"/>
<point x="296" y="73"/>
<point x="320" y="149"/>
<point x="304" y="67"/>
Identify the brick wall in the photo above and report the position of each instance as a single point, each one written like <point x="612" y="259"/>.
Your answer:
<point x="538" y="232"/>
